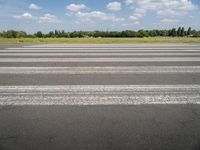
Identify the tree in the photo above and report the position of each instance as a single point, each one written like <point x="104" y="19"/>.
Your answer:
<point x="56" y="33"/>
<point x="153" y="33"/>
<point x="174" y="33"/>
<point x="127" y="33"/>
<point x="131" y="33"/>
<point x="163" y="32"/>
<point x="39" y="34"/>
<point x="189" y="31"/>
<point x="142" y="33"/>
<point x="179" y="31"/>
<point x="169" y="33"/>
<point x="182" y="31"/>
<point x="51" y="34"/>
<point x="20" y="34"/>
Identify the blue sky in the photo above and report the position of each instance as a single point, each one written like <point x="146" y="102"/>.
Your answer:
<point x="46" y="15"/>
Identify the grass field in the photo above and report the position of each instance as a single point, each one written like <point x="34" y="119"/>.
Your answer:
<point x="97" y="40"/>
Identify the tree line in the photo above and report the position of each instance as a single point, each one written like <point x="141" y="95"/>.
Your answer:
<point x="179" y="32"/>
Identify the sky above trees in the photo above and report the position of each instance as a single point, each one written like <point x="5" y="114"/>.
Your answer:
<point x="46" y="15"/>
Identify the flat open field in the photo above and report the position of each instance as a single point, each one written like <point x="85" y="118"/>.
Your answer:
<point x="96" y="40"/>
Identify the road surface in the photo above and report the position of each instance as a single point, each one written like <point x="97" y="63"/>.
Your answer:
<point x="100" y="97"/>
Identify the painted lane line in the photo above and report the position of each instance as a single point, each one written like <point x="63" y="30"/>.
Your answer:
<point x="100" y="95"/>
<point x="90" y="51"/>
<point x="100" y="70"/>
<point x="151" y="59"/>
<point x="179" y="87"/>
<point x="95" y="51"/>
<point x="99" y="54"/>
<point x="98" y="100"/>
<point x="100" y="48"/>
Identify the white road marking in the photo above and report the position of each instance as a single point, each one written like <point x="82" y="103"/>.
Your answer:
<point x="100" y="95"/>
<point x="114" y="45"/>
<point x="99" y="48"/>
<point x="150" y="59"/>
<point x="100" y="88"/>
<point x="100" y="51"/>
<point x="99" y="54"/>
<point x="101" y="70"/>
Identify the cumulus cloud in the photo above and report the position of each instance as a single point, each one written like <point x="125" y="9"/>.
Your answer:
<point x="25" y="16"/>
<point x="69" y="14"/>
<point x="116" y="6"/>
<point x="48" y="18"/>
<point x="169" y="20"/>
<point x="136" y="23"/>
<point x="162" y="8"/>
<point x="128" y="2"/>
<point x="98" y="15"/>
<point x="34" y="7"/>
<point x="76" y="7"/>
<point x="127" y="24"/>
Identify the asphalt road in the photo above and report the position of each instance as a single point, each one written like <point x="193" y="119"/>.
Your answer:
<point x="100" y="97"/>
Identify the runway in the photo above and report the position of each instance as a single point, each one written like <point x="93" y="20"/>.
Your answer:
<point x="134" y="96"/>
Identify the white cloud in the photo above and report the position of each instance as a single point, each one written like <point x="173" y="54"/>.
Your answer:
<point x="34" y="7"/>
<point x="127" y="24"/>
<point x="69" y="14"/>
<point x="48" y="18"/>
<point x="116" y="6"/>
<point x="136" y="23"/>
<point x="76" y="7"/>
<point x="128" y="2"/>
<point x="98" y="15"/>
<point x="139" y="13"/>
<point x="169" y="20"/>
<point x="25" y="16"/>
<point x="163" y="8"/>
<point x="77" y="22"/>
